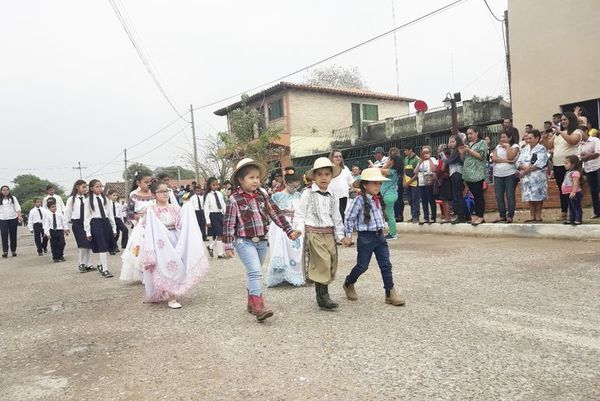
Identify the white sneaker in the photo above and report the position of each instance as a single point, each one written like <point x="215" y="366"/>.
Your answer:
<point x="174" y="304"/>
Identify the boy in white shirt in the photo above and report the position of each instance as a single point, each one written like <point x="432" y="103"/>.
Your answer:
<point x="55" y="228"/>
<point x="51" y="194"/>
<point x="35" y="223"/>
<point x="119" y="221"/>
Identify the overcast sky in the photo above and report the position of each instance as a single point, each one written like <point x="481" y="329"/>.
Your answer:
<point x="73" y="88"/>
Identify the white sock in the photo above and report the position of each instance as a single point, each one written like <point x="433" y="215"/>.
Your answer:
<point x="212" y="244"/>
<point x="87" y="257"/>
<point x="82" y="256"/>
<point x="102" y="260"/>
<point x="219" y="248"/>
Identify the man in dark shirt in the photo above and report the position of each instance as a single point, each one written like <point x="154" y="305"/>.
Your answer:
<point x="507" y="125"/>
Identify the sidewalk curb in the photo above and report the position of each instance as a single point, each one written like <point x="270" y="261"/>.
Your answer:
<point x="590" y="232"/>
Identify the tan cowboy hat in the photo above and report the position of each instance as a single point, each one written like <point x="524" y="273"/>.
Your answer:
<point x="322" y="162"/>
<point x="249" y="162"/>
<point x="369" y="174"/>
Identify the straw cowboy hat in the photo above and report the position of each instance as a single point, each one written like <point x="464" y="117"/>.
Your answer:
<point x="322" y="162"/>
<point x="369" y="174"/>
<point x="249" y="162"/>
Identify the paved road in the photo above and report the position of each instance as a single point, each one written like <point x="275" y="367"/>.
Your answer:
<point x="493" y="319"/>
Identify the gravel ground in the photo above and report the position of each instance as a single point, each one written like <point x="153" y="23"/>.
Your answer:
<point x="493" y="319"/>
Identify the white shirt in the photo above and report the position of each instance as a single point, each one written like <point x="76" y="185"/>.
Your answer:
<point x="34" y="217"/>
<point x="592" y="145"/>
<point x="380" y="163"/>
<point x="505" y="169"/>
<point x="425" y="169"/>
<point x="117" y="209"/>
<point x="319" y="211"/>
<point x="8" y="209"/>
<point x="61" y="222"/>
<point x="73" y="207"/>
<point x="340" y="185"/>
<point x="210" y="204"/>
<point x="60" y="205"/>
<point x="197" y="201"/>
<point x="96" y="214"/>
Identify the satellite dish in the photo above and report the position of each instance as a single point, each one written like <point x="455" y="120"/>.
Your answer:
<point x="421" y="106"/>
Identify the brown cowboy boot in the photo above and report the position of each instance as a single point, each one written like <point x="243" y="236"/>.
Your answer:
<point x="258" y="308"/>
<point x="392" y="297"/>
<point x="323" y="299"/>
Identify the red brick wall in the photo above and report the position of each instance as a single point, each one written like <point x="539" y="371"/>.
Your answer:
<point x="552" y="202"/>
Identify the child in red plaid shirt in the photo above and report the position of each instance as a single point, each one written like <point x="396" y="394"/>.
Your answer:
<point x="246" y="226"/>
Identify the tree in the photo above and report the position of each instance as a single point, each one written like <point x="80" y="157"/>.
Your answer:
<point x="29" y="186"/>
<point x="336" y="77"/>
<point x="130" y="173"/>
<point x="211" y="161"/>
<point x="175" y="172"/>
<point x="249" y="135"/>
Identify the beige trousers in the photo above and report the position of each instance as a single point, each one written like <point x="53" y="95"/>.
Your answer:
<point x="320" y="257"/>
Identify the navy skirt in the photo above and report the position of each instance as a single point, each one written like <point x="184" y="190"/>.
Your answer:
<point x="102" y="235"/>
<point x="79" y="234"/>
<point x="216" y="221"/>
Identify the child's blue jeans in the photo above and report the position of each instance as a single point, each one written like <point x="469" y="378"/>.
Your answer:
<point x="575" y="212"/>
<point x="369" y="243"/>
<point x="252" y="255"/>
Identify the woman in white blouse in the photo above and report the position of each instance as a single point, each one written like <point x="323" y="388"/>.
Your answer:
<point x="10" y="216"/>
<point x="340" y="186"/>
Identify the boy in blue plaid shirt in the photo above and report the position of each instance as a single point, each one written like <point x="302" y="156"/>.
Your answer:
<point x="366" y="216"/>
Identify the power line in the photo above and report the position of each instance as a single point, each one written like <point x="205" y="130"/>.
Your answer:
<point x="374" y="38"/>
<point x="156" y="132"/>
<point x="161" y="144"/>
<point x="130" y="31"/>
<point x="104" y="166"/>
<point x="491" y="12"/>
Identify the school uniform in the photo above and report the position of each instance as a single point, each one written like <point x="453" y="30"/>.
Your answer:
<point x="214" y="209"/>
<point x="122" y="230"/>
<point x="60" y="205"/>
<point x="55" y="225"/>
<point x="99" y="223"/>
<point x="35" y="223"/>
<point x="75" y="215"/>
<point x="198" y="204"/>
<point x="9" y="209"/>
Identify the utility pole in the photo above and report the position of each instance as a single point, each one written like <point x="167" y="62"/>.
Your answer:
<point x="194" y="143"/>
<point x="395" y="50"/>
<point x="79" y="167"/>
<point x="508" y="71"/>
<point x="125" y="174"/>
<point x="179" y="173"/>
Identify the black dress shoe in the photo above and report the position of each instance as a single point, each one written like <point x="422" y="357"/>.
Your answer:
<point x="45" y="251"/>
<point x="40" y="254"/>
<point x="14" y="254"/>
<point x="106" y="274"/>
<point x="117" y="250"/>
<point x="55" y="260"/>
<point x="89" y="268"/>
<point x="5" y="255"/>
<point x="62" y="259"/>
<point x="82" y="269"/>
<point x="112" y="253"/>
<point x="210" y="251"/>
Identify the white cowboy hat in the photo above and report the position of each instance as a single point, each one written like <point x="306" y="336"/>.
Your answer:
<point x="322" y="162"/>
<point x="249" y="162"/>
<point x="369" y="174"/>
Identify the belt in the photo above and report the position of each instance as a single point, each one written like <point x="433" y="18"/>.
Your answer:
<point x="256" y="239"/>
<point x="319" y="230"/>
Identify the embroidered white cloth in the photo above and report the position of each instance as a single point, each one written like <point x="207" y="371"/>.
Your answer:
<point x="173" y="260"/>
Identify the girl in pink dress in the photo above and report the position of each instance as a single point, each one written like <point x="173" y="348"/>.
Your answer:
<point x="172" y="254"/>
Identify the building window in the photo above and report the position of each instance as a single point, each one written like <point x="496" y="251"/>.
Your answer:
<point x="275" y="110"/>
<point x="370" y="112"/>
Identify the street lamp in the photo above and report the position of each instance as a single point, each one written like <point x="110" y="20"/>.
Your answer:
<point x="450" y="103"/>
